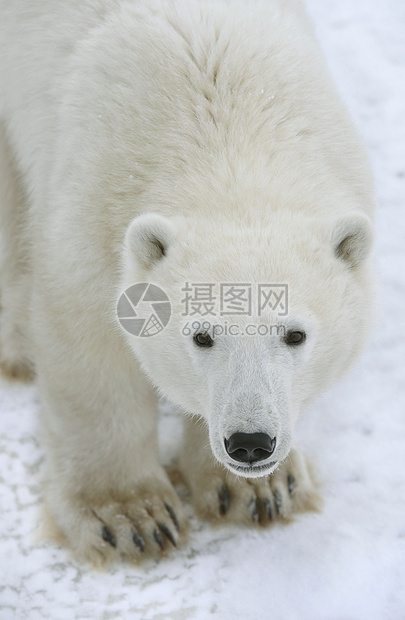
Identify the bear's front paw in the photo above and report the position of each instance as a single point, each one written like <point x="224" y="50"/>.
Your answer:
<point x="220" y="496"/>
<point x="147" y="522"/>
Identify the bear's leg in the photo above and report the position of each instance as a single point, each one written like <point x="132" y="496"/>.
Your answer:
<point x="220" y="496"/>
<point x="107" y="496"/>
<point x="14" y="268"/>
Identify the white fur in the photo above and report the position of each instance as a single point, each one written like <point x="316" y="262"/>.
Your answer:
<point x="209" y="129"/>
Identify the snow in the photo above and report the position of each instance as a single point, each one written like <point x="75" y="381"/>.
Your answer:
<point x="346" y="563"/>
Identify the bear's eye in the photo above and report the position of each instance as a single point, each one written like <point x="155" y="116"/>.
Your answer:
<point x="295" y="337"/>
<point x="203" y="339"/>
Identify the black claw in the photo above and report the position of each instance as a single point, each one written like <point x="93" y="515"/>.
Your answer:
<point x="158" y="538"/>
<point x="109" y="537"/>
<point x="278" y="501"/>
<point x="173" y="516"/>
<point x="291" y="483"/>
<point x="223" y="496"/>
<point x="139" y="541"/>
<point x="167" y="533"/>
<point x="268" y="509"/>
<point x="254" y="510"/>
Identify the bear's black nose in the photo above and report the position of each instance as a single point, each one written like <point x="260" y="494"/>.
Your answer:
<point x="250" y="447"/>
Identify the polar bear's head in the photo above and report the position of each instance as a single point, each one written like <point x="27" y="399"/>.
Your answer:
<point x="250" y="372"/>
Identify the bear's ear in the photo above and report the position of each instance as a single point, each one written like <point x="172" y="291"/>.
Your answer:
<point x="148" y="238"/>
<point x="352" y="239"/>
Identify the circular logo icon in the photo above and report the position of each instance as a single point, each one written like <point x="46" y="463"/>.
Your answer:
<point x="143" y="310"/>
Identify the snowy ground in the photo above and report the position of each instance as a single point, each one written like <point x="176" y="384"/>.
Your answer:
<point x="347" y="563"/>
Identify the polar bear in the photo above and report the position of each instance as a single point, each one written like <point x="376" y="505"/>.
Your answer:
<point x="175" y="144"/>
